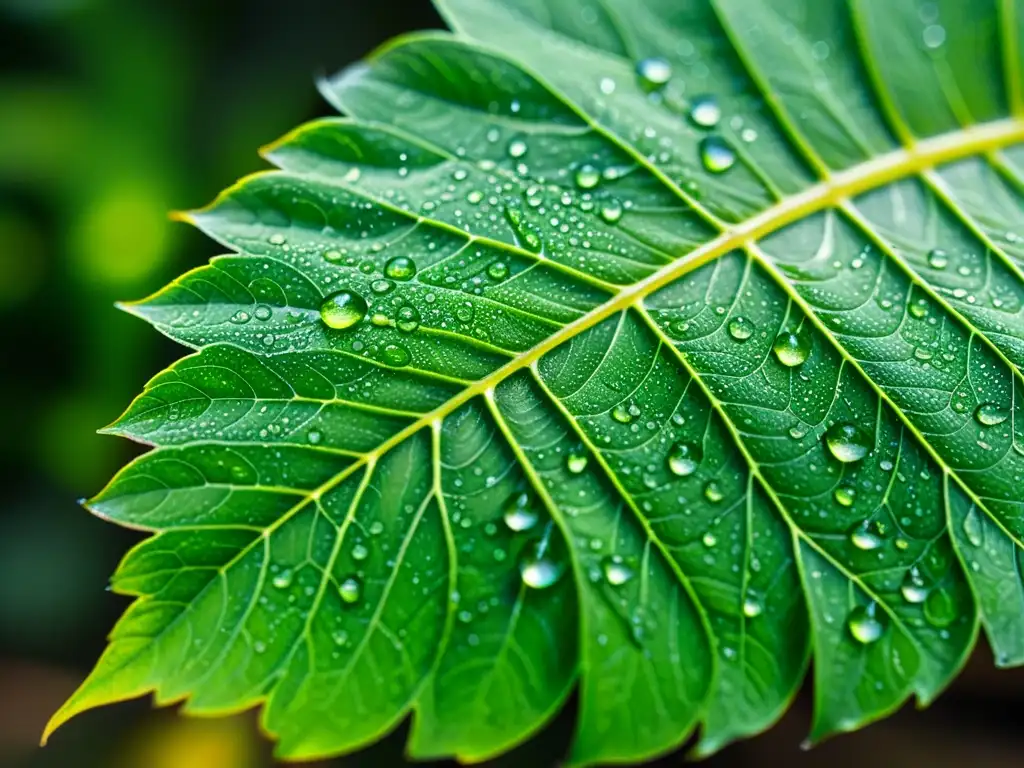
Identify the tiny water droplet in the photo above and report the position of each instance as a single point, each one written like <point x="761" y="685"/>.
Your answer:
<point x="576" y="462"/>
<point x="792" y="348"/>
<point x="616" y="571"/>
<point x="716" y="155"/>
<point x="381" y="287"/>
<point x="709" y="539"/>
<point x="340" y="637"/>
<point x="314" y="436"/>
<point x="653" y="72"/>
<point x="705" y="112"/>
<point x="536" y="566"/>
<point x="863" y="623"/>
<point x="259" y="646"/>
<point x="360" y="551"/>
<point x="991" y="414"/>
<point x="847" y="442"/>
<point x="400" y="268"/>
<point x="683" y="459"/>
<point x="263" y="312"/>
<point x="740" y="328"/>
<point x="350" y="590"/>
<point x="625" y="412"/>
<point x="343" y="310"/>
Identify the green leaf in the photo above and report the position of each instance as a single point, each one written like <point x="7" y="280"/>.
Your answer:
<point x="648" y="349"/>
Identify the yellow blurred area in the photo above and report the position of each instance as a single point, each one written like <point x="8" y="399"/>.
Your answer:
<point x="183" y="742"/>
<point x="123" y="233"/>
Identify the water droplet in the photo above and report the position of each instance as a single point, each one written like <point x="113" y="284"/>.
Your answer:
<point x="360" y="551"/>
<point x="913" y="588"/>
<point x="395" y="355"/>
<point x="616" y="572"/>
<point x="400" y="268"/>
<point x="863" y="623"/>
<point x="277" y="239"/>
<point x="381" y="287"/>
<point x="497" y="270"/>
<point x="938" y="258"/>
<point x="939" y="609"/>
<point x="525" y="236"/>
<point x="933" y="36"/>
<point x="863" y="538"/>
<point x="625" y="412"/>
<point x="314" y="436"/>
<point x="536" y="566"/>
<point x="517" y="148"/>
<point x="713" y="492"/>
<point x="343" y="310"/>
<point x="845" y="495"/>
<point x="576" y="462"/>
<point x="607" y="86"/>
<point x="240" y="317"/>
<point x="792" y="348"/>
<point x="716" y="155"/>
<point x="847" y="442"/>
<point x="464" y="312"/>
<point x="519" y="514"/>
<point x="972" y="526"/>
<point x="653" y="73"/>
<point x="709" y="539"/>
<point x="740" y="328"/>
<point x="350" y="590"/>
<point x="611" y="211"/>
<point x="408" y="319"/>
<point x="340" y="637"/>
<point x="282" y="580"/>
<point x="991" y="414"/>
<point x="587" y="177"/>
<point x="752" y="606"/>
<point x="683" y="459"/>
<point x="259" y="646"/>
<point x="705" y="112"/>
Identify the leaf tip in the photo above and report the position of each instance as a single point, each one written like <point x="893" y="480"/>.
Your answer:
<point x="183" y="217"/>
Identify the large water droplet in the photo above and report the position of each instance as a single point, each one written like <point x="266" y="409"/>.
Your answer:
<point x="913" y="587"/>
<point x="752" y="606"/>
<point x="282" y="580"/>
<point x="939" y="609"/>
<point x="360" y="551"/>
<point x="845" y="495"/>
<point x="587" y="177"/>
<point x="611" y="211"/>
<point x="863" y="537"/>
<point x="576" y="462"/>
<point x="625" y="412"/>
<point x="395" y="355"/>
<point x="536" y="566"/>
<point x="517" y="148"/>
<point x="519" y="513"/>
<point x="705" y="112"/>
<point x="716" y="155"/>
<point x="683" y="459"/>
<point x="991" y="414"/>
<point x="400" y="268"/>
<point x="408" y="319"/>
<point x="972" y="526"/>
<point x="938" y="258"/>
<point x="498" y="270"/>
<point x="740" y="328"/>
<point x="653" y="73"/>
<point x="616" y="571"/>
<point x="864" y="624"/>
<point x="343" y="310"/>
<point x="847" y="442"/>
<point x="350" y="590"/>
<point x="792" y="348"/>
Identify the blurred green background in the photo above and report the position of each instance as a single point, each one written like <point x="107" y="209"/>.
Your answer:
<point x="113" y="113"/>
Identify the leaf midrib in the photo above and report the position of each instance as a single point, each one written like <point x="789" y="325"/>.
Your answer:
<point x="892" y="166"/>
